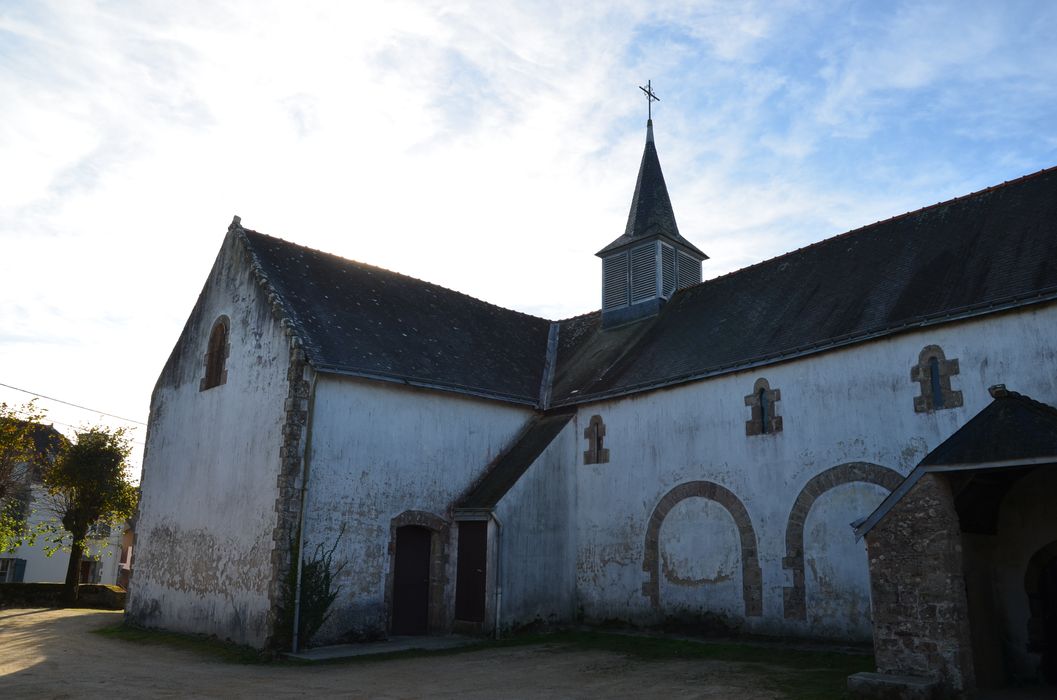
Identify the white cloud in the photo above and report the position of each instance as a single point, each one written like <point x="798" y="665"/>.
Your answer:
<point x="490" y="147"/>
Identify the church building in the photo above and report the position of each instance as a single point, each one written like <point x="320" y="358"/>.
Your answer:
<point x="702" y="456"/>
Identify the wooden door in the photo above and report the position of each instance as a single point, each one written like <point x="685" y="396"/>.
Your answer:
<point x="470" y="571"/>
<point x="411" y="581"/>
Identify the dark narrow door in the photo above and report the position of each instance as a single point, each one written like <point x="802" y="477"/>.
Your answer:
<point x="411" y="581"/>
<point x="470" y="571"/>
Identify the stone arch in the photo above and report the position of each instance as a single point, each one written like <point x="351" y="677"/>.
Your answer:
<point x="795" y="596"/>
<point x="438" y="569"/>
<point x="752" y="576"/>
<point x="1036" y="602"/>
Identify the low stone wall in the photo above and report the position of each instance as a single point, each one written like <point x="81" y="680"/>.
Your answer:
<point x="49" y="595"/>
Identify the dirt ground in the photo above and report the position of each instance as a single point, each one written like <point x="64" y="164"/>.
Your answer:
<point x="53" y="654"/>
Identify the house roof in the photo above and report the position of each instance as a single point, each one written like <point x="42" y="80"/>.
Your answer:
<point x="651" y="209"/>
<point x="984" y="252"/>
<point x="1012" y="428"/>
<point x="365" y="321"/>
<point x="973" y="255"/>
<point x="47" y="441"/>
<point x="1011" y="436"/>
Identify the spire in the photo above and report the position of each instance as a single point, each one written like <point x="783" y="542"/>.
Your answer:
<point x="642" y="269"/>
<point x="651" y="209"/>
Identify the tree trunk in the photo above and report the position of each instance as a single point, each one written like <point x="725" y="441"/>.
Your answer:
<point x="73" y="571"/>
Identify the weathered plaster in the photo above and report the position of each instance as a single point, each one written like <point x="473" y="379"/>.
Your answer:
<point x="849" y="406"/>
<point x="795" y="598"/>
<point x="207" y="515"/>
<point x="379" y="450"/>
<point x="538" y="540"/>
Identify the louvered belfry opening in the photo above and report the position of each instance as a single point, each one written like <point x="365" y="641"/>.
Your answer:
<point x="615" y="281"/>
<point x="651" y="261"/>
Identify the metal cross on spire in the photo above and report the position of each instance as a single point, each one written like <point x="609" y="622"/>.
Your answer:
<point x="650" y="98"/>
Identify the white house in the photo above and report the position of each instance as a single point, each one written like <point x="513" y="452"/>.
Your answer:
<point x="691" y="455"/>
<point x="108" y="556"/>
<point x="106" y="560"/>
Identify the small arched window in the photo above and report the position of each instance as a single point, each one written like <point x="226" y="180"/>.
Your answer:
<point x="933" y="373"/>
<point x="216" y="372"/>
<point x="595" y="434"/>
<point x="763" y="414"/>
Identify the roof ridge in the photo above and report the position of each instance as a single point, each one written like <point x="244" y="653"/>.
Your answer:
<point x="394" y="273"/>
<point x="879" y="222"/>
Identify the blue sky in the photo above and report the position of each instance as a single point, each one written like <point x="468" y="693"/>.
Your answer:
<point x="490" y="147"/>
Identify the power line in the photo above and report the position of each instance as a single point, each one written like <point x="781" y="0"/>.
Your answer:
<point x="84" y="408"/>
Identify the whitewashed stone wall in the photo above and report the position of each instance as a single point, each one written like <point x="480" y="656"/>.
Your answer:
<point x="847" y="406"/>
<point x="538" y="542"/>
<point x="379" y="450"/>
<point x="204" y="537"/>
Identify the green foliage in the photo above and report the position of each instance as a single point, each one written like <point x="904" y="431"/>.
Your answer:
<point x="20" y="458"/>
<point x="86" y="486"/>
<point x="317" y="594"/>
<point x="89" y="483"/>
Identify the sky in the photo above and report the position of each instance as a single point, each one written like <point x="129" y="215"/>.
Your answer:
<point x="490" y="147"/>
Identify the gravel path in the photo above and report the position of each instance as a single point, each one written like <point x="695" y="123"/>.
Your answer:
<point x="52" y="654"/>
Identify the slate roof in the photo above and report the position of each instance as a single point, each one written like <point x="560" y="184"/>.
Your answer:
<point x="651" y="209"/>
<point x="1007" y="440"/>
<point x="1011" y="428"/>
<point x="977" y="254"/>
<point x="989" y="250"/>
<point x="366" y="321"/>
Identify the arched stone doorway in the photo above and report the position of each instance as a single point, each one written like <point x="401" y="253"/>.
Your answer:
<point x="752" y="575"/>
<point x="795" y="596"/>
<point x="417" y="579"/>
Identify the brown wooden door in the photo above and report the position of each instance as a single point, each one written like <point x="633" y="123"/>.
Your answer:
<point x="411" y="581"/>
<point x="470" y="571"/>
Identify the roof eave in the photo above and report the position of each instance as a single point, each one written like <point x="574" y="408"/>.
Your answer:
<point x="530" y="401"/>
<point x="864" y="526"/>
<point x="677" y="241"/>
<point x="1045" y="296"/>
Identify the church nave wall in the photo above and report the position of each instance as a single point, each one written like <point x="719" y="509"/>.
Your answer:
<point x="848" y="432"/>
<point x="379" y="451"/>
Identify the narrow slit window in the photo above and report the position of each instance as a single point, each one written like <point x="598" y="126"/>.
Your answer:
<point x="595" y="433"/>
<point x="934" y="383"/>
<point x="764" y="413"/>
<point x="933" y="373"/>
<point x="217" y="350"/>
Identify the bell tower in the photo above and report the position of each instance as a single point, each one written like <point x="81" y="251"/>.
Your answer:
<point x="645" y="266"/>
